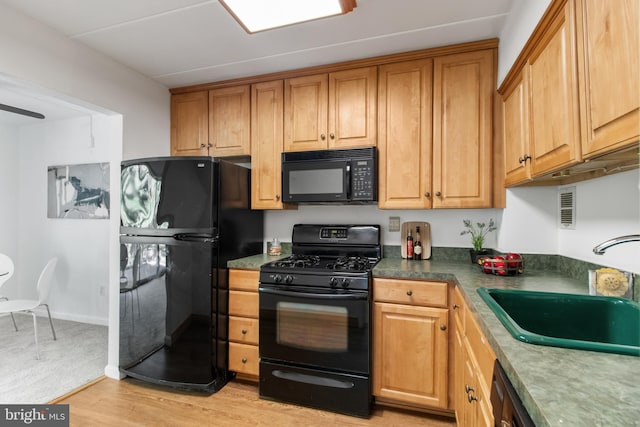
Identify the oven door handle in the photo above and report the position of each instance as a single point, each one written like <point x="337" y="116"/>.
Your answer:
<point x="353" y="296"/>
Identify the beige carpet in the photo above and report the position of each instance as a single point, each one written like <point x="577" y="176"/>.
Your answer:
<point x="77" y="357"/>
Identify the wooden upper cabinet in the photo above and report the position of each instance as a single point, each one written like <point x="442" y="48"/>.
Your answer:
<point x="553" y="86"/>
<point x="230" y="121"/>
<point x="335" y="110"/>
<point x="305" y="113"/>
<point x="464" y="86"/>
<point x="352" y="108"/>
<point x="189" y="131"/>
<point x="515" y="131"/>
<point x="266" y="145"/>
<point x="610" y="74"/>
<point x="404" y="134"/>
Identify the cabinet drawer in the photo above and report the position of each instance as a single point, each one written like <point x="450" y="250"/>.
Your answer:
<point x="244" y="280"/>
<point x="243" y="330"/>
<point x="244" y="359"/>
<point x="244" y="304"/>
<point x="413" y="292"/>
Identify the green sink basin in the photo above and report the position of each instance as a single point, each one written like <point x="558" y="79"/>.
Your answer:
<point x="585" y="322"/>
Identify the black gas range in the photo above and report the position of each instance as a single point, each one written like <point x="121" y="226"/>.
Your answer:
<point x="315" y="319"/>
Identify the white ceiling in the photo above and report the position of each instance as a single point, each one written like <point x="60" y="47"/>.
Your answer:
<point x="187" y="42"/>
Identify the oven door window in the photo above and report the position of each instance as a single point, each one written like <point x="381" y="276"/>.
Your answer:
<point x="313" y="327"/>
<point x="322" y="330"/>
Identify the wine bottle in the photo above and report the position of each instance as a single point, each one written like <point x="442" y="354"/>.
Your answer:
<point x="417" y="245"/>
<point x="409" y="245"/>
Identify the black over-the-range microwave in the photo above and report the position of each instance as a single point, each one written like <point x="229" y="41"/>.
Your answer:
<point x="325" y="176"/>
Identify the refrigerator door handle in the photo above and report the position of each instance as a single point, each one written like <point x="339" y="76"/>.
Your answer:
<point x="205" y="238"/>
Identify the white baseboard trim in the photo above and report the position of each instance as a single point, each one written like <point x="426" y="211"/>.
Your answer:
<point x="113" y="372"/>
<point x="77" y="318"/>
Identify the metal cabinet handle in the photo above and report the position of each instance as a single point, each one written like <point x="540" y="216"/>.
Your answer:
<point x="202" y="145"/>
<point x="471" y="397"/>
<point x="332" y="136"/>
<point x="438" y="194"/>
<point x="467" y="388"/>
<point x="524" y="158"/>
<point x="277" y="197"/>
<point x="244" y="360"/>
<point x="455" y="306"/>
<point x="209" y="145"/>
<point x="427" y="194"/>
<point x="244" y="332"/>
<point x="409" y="292"/>
<point x="323" y="137"/>
<point x="443" y="327"/>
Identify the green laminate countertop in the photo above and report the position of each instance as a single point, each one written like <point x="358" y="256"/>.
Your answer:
<point x="558" y="386"/>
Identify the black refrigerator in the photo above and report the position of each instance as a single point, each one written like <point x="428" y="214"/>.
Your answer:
<point x="181" y="220"/>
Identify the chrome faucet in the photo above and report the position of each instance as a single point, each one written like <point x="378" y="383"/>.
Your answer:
<point x="602" y="247"/>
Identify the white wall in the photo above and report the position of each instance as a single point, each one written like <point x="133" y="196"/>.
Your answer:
<point x="445" y="224"/>
<point x="522" y="19"/>
<point x="61" y="67"/>
<point x="80" y="292"/>
<point x="606" y="207"/>
<point x="529" y="222"/>
<point x="43" y="57"/>
<point x="9" y="191"/>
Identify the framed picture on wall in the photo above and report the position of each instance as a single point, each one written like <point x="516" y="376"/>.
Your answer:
<point x="78" y="191"/>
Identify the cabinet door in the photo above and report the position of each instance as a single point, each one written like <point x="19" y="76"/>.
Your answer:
<point x="554" y="101"/>
<point x="305" y="113"/>
<point x="462" y="130"/>
<point x="410" y="354"/>
<point x="229" y="121"/>
<point x="266" y="145"/>
<point x="189" y="132"/>
<point x="352" y="108"/>
<point x="460" y="396"/>
<point x="404" y="134"/>
<point x="515" y="132"/>
<point x="610" y="71"/>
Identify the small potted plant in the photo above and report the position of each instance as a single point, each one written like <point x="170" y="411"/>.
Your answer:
<point x="478" y="232"/>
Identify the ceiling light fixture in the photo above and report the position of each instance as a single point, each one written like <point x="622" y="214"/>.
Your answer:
<point x="261" y="15"/>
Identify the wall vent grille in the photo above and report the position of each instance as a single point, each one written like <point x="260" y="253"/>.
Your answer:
<point x="568" y="208"/>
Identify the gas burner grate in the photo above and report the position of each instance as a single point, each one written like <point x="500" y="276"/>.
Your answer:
<point x="351" y="263"/>
<point x="298" y="261"/>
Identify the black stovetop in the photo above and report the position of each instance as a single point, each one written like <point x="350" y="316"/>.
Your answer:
<point x="333" y="256"/>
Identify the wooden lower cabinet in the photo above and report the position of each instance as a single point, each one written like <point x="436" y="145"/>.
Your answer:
<point x="410" y="340"/>
<point x="243" y="323"/>
<point x="473" y="367"/>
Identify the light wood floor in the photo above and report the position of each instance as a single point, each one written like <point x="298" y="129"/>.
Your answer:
<point x="108" y="402"/>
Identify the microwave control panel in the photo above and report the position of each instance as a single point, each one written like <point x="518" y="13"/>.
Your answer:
<point x="363" y="177"/>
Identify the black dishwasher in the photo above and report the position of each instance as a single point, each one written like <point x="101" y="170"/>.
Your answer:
<point x="508" y="409"/>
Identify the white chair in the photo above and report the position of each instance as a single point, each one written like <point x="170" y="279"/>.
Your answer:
<point x="6" y="271"/>
<point x="27" y="306"/>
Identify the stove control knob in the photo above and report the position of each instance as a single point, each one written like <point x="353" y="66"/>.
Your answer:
<point x="345" y="282"/>
<point x="277" y="278"/>
<point x="333" y="282"/>
<point x="288" y="279"/>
